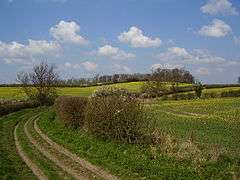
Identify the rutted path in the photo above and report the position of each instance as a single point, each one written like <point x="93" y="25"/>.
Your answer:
<point x="40" y="175"/>
<point x="94" y="169"/>
<point x="68" y="162"/>
<point x="53" y="156"/>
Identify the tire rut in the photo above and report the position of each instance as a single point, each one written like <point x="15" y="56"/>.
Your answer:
<point x="94" y="169"/>
<point x="34" y="168"/>
<point x="59" y="162"/>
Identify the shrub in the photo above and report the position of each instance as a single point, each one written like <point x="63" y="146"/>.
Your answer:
<point x="181" y="96"/>
<point x="115" y="117"/>
<point x="210" y="95"/>
<point x="198" y="89"/>
<point x="10" y="106"/>
<point x="106" y="91"/>
<point x="153" y="89"/>
<point x="70" y="110"/>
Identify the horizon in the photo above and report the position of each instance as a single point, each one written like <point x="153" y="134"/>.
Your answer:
<point x="84" y="38"/>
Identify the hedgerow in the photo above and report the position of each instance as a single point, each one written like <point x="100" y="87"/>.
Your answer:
<point x="71" y="110"/>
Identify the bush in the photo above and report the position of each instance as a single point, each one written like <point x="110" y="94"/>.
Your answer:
<point x="198" y="89"/>
<point x="70" y="110"/>
<point x="153" y="89"/>
<point x="180" y="96"/>
<point x="115" y="117"/>
<point x="106" y="91"/>
<point x="10" y="106"/>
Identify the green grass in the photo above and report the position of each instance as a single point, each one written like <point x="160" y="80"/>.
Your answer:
<point x="11" y="93"/>
<point x="12" y="166"/>
<point x="213" y="121"/>
<point x="48" y="167"/>
<point x="15" y="93"/>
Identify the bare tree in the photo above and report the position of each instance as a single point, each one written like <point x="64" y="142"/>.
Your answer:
<point x="40" y="83"/>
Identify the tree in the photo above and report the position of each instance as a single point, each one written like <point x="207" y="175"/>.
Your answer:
<point x="239" y="80"/>
<point x="198" y="89"/>
<point x="40" y="83"/>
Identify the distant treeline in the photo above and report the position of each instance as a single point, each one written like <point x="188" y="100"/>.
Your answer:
<point x="160" y="75"/>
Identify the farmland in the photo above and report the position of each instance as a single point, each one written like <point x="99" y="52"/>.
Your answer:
<point x="15" y="92"/>
<point x="212" y="122"/>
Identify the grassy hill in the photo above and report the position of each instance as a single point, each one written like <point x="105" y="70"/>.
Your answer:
<point x="15" y="93"/>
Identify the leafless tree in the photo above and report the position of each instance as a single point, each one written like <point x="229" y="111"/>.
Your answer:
<point x="40" y="84"/>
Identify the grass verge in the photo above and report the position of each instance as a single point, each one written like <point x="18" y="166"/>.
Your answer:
<point x="12" y="166"/>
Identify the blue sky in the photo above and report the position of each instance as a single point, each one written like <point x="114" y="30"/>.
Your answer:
<point x="86" y="37"/>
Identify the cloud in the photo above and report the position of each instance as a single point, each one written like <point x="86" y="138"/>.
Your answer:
<point x="236" y="40"/>
<point x="71" y="66"/>
<point x="215" y="7"/>
<point x="15" y="52"/>
<point x="121" y="68"/>
<point x="197" y="56"/>
<point x="89" y="66"/>
<point x="166" y="66"/>
<point x="217" y="29"/>
<point x="67" y="32"/>
<point x="114" y="53"/>
<point x="136" y="38"/>
<point x="178" y="51"/>
<point x="202" y="71"/>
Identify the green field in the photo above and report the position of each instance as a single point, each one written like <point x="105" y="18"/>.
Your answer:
<point x="213" y="122"/>
<point x="210" y="122"/>
<point x="15" y="92"/>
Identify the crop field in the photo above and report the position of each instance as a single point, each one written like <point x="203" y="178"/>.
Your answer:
<point x="213" y="122"/>
<point x="15" y="92"/>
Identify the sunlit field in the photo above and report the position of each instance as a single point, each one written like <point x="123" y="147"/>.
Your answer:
<point x="15" y="92"/>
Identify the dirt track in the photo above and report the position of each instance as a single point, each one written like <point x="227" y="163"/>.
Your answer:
<point x="68" y="162"/>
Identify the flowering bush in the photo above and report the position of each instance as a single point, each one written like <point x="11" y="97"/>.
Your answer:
<point x="115" y="117"/>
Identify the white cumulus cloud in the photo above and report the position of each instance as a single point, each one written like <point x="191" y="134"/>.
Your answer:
<point x="114" y="53"/>
<point x="121" y="68"/>
<point x="136" y="38"/>
<point x="197" y="56"/>
<point x="90" y="66"/>
<point x="166" y="66"/>
<point x="67" y="32"/>
<point x="215" y="7"/>
<point x="217" y="29"/>
<point x="15" y="52"/>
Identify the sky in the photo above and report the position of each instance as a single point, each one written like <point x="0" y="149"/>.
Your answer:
<point x="88" y="37"/>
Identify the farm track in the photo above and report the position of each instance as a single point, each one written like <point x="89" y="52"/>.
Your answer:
<point x="94" y="169"/>
<point x="37" y="172"/>
<point x="69" y="165"/>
